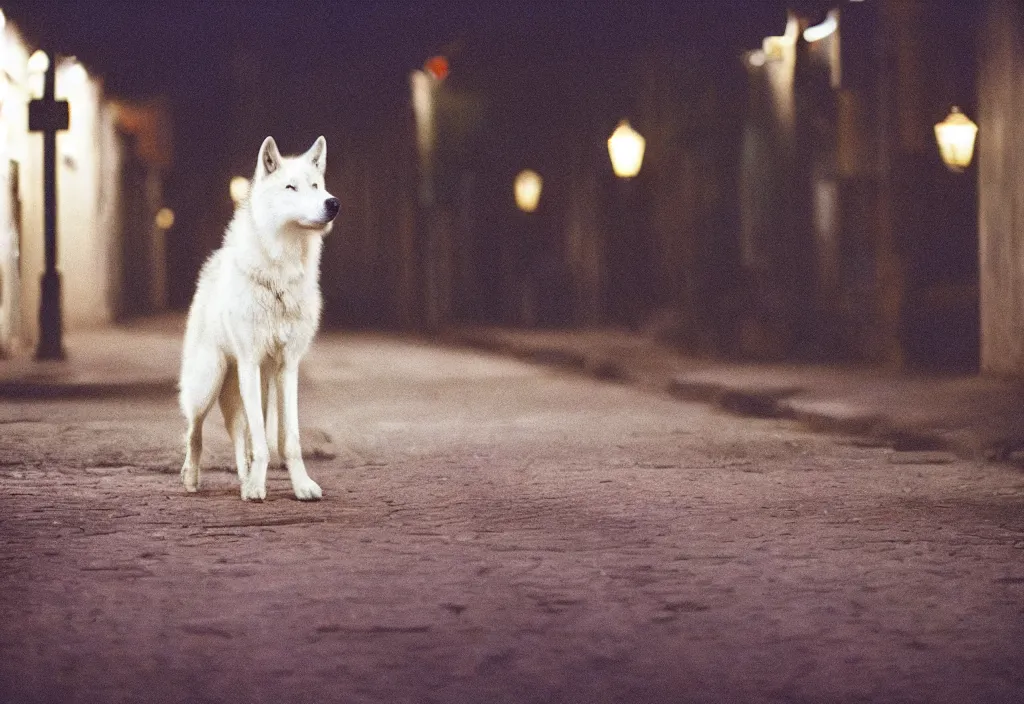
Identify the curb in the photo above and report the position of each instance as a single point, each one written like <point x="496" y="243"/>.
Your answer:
<point x="784" y="402"/>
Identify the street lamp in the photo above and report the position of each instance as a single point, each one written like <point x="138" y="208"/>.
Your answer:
<point x="239" y="189"/>
<point x="955" y="136"/>
<point x="164" y="219"/>
<point x="38" y="62"/>
<point x="49" y="116"/>
<point x="528" y="186"/>
<point x="36" y="67"/>
<point x="627" y="260"/>
<point x="626" y="149"/>
<point x="826" y="29"/>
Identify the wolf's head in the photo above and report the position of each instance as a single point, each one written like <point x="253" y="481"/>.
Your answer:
<point x="288" y="194"/>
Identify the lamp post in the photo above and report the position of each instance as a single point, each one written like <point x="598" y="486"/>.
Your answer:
<point x="627" y="260"/>
<point x="436" y="217"/>
<point x="49" y="116"/>
<point x="527" y="188"/>
<point x="956" y="136"/>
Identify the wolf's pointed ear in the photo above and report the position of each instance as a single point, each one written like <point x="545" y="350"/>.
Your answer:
<point x="269" y="159"/>
<point x="318" y="154"/>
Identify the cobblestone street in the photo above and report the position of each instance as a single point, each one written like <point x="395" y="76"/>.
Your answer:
<point x="493" y="531"/>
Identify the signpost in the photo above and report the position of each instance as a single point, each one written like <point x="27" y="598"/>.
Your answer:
<point x="49" y="116"/>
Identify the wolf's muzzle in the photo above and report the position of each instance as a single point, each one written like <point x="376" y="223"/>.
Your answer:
<point x="331" y="208"/>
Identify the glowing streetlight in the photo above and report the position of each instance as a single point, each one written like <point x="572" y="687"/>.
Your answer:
<point x="74" y="74"/>
<point x="826" y="29"/>
<point x="164" y="218"/>
<point x="437" y="67"/>
<point x="38" y="62"/>
<point x="626" y="149"/>
<point x="239" y="189"/>
<point x="955" y="136"/>
<point x="757" y="58"/>
<point x="527" y="190"/>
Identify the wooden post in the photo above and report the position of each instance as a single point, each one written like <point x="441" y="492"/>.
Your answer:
<point x="49" y="116"/>
<point x="1001" y="207"/>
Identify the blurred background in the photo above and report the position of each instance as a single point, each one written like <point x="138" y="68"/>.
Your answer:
<point x="792" y="201"/>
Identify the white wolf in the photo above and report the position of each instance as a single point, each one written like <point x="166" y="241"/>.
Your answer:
<point x="254" y="314"/>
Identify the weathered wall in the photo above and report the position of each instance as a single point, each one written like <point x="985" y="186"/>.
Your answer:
<point x="1001" y="211"/>
<point x="87" y="205"/>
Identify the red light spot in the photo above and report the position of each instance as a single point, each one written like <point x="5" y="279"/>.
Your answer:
<point x="437" y="66"/>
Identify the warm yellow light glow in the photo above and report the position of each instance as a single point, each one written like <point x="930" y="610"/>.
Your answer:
<point x="774" y="48"/>
<point x="3" y="21"/>
<point x="39" y="62"/>
<point x="756" y="58"/>
<point x="164" y="218"/>
<point x="956" y="136"/>
<point x="825" y="29"/>
<point x="239" y="189"/>
<point x="527" y="189"/>
<point x="626" y="149"/>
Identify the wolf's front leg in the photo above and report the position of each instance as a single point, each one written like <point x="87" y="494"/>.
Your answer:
<point x="271" y="401"/>
<point x="305" y="488"/>
<point x="254" y="488"/>
<point x="273" y="397"/>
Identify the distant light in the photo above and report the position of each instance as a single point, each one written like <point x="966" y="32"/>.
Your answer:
<point x="775" y="48"/>
<point x="164" y="218"/>
<point x="757" y="58"/>
<point x="74" y="74"/>
<point x="39" y="62"/>
<point x="825" y="29"/>
<point x="626" y="149"/>
<point x="3" y="20"/>
<point x="239" y="189"/>
<point x="528" y="186"/>
<point x="437" y="67"/>
<point x="956" y="136"/>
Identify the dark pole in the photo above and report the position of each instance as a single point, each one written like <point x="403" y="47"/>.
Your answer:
<point x="51" y="344"/>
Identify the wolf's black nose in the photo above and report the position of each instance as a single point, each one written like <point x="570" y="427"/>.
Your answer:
<point x="331" y="207"/>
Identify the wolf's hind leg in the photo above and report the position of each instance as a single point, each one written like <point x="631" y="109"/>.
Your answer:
<point x="201" y="377"/>
<point x="234" y="419"/>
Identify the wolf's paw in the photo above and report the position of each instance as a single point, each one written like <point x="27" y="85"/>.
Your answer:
<point x="253" y="492"/>
<point x="307" y="490"/>
<point x="190" y="478"/>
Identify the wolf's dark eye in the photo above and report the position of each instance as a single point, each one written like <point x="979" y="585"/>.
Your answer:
<point x="316" y="187"/>
<point x="292" y="187"/>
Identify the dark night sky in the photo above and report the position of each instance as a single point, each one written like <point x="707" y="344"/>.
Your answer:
<point x="164" y="47"/>
<point x="362" y="52"/>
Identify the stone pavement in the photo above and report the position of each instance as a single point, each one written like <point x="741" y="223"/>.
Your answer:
<point x="493" y="532"/>
<point x="138" y="358"/>
<point x="973" y="416"/>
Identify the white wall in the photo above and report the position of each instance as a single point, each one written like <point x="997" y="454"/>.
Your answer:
<point x="88" y="210"/>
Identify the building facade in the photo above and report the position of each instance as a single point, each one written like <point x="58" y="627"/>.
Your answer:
<point x="107" y="236"/>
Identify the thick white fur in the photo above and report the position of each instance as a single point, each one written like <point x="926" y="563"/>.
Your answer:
<point x="255" y="312"/>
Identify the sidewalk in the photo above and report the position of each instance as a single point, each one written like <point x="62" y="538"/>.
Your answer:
<point x="968" y="416"/>
<point x="140" y="358"/>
